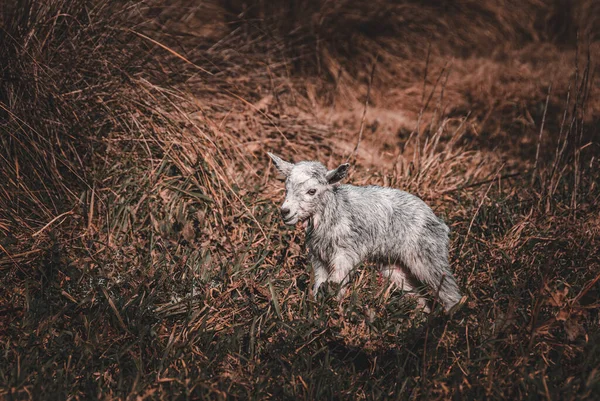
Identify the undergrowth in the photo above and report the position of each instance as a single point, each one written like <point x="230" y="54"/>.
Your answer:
<point x="141" y="253"/>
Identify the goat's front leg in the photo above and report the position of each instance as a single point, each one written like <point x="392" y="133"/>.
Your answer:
<point x="341" y="267"/>
<point x="320" y="274"/>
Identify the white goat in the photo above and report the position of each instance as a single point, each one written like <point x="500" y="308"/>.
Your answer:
<point x="346" y="225"/>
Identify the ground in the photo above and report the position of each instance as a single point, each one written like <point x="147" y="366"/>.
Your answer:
<point x="141" y="251"/>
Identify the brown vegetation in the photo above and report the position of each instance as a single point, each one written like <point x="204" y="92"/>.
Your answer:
<point x="141" y="254"/>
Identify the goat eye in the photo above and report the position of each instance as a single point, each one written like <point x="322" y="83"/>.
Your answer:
<point x="312" y="192"/>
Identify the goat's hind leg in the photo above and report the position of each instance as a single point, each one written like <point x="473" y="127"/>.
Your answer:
<point x="430" y="265"/>
<point x="402" y="280"/>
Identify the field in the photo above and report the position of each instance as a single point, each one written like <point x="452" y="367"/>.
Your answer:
<point x="142" y="255"/>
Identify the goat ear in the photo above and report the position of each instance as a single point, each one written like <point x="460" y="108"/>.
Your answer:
<point x="284" y="167"/>
<point x="338" y="174"/>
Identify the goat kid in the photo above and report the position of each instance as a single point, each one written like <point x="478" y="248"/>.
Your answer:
<point x="346" y="225"/>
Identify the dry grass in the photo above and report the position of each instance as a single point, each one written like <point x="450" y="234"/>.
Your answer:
<point x="140" y="252"/>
